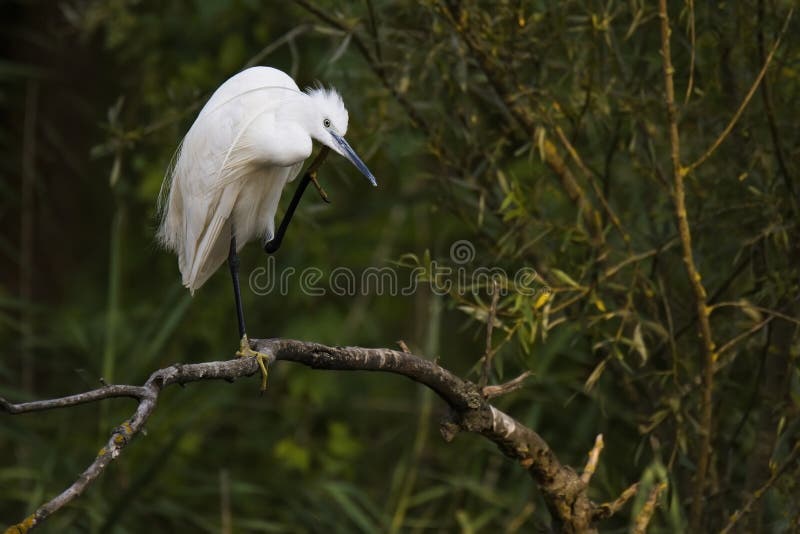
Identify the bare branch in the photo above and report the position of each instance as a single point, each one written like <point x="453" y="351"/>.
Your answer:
<point x="594" y="457"/>
<point x="756" y="496"/>
<point x="589" y="175"/>
<point x="693" y="47"/>
<point x="106" y="392"/>
<point x="377" y="67"/>
<point x="744" y="305"/>
<point x="225" y="502"/>
<point x="489" y="353"/>
<point x="724" y="134"/>
<point x="646" y="513"/>
<point x="695" y="280"/>
<point x="522" y="116"/>
<point x="147" y="396"/>
<point x="608" y="509"/>
<point x="766" y="96"/>
<point x="490" y="392"/>
<point x="719" y="364"/>
<point x="611" y="271"/>
<point x="563" y="490"/>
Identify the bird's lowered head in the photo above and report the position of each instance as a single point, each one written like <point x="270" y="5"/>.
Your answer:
<point x="329" y="126"/>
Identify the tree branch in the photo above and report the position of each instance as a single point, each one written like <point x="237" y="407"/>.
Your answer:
<point x="695" y="280"/>
<point x="646" y="513"/>
<point x="724" y="134"/>
<point x="610" y="508"/>
<point x="756" y="496"/>
<point x="376" y="66"/>
<point x="594" y="457"/>
<point x="522" y="116"/>
<point x="562" y="488"/>
<point x="147" y="396"/>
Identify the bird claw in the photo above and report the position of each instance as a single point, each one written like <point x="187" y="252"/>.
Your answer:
<point x="246" y="352"/>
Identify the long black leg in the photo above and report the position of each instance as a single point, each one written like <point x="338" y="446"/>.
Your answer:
<point x="275" y="243"/>
<point x="244" y="348"/>
<point x="233" y="264"/>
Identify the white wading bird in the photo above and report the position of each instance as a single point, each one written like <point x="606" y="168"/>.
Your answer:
<point x="248" y="141"/>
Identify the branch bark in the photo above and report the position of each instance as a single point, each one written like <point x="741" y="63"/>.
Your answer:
<point x="562" y="488"/>
<point x="695" y="280"/>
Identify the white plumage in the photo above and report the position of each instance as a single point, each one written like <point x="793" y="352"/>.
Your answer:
<point x="248" y="141"/>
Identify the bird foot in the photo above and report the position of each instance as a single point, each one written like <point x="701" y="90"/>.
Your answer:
<point x="246" y="352"/>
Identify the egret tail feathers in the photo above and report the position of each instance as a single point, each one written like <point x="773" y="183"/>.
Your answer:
<point x="214" y="245"/>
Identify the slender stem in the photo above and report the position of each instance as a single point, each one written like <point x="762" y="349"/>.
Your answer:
<point x="524" y="119"/>
<point x="724" y="134"/>
<point x="26" y="239"/>
<point x="610" y="508"/>
<point x="759" y="493"/>
<point x="693" y="45"/>
<point x="695" y="280"/>
<point x="374" y="64"/>
<point x="114" y="288"/>
<point x="514" y="384"/>
<point x="489" y="353"/>
<point x="643" y="519"/>
<point x="766" y="96"/>
<point x="589" y="175"/>
<point x="594" y="458"/>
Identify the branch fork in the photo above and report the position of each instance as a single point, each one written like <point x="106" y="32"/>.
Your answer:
<point x="564" y="491"/>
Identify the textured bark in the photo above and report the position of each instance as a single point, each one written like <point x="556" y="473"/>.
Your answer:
<point x="562" y="488"/>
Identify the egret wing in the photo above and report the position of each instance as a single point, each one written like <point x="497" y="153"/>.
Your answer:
<point x="214" y="243"/>
<point x="217" y="185"/>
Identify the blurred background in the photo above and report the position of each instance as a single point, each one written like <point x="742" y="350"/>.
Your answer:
<point x="534" y="130"/>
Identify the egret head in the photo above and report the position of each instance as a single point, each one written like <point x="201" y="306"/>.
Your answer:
<point x="329" y="125"/>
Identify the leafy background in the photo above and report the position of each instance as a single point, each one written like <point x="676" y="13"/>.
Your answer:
<point x="457" y="109"/>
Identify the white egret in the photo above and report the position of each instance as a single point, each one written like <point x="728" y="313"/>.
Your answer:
<point x="249" y="140"/>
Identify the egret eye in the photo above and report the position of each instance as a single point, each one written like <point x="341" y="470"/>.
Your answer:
<point x="326" y="123"/>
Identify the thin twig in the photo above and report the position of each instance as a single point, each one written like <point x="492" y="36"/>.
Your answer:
<point x="225" y="502"/>
<point x="744" y="335"/>
<point x="105" y="392"/>
<point x="610" y="508"/>
<point x="766" y="96"/>
<point x="491" y="392"/>
<point x="521" y="115"/>
<point x="724" y="134"/>
<point x="692" y="44"/>
<point x="746" y="306"/>
<point x="489" y="352"/>
<point x="695" y="280"/>
<point x="147" y="396"/>
<point x="27" y="241"/>
<point x="589" y="175"/>
<point x="594" y="457"/>
<point x="413" y="115"/>
<point x="646" y="513"/>
<point x="277" y="43"/>
<point x="722" y="362"/>
<point x="611" y="271"/>
<point x="759" y="493"/>
<point x="373" y="26"/>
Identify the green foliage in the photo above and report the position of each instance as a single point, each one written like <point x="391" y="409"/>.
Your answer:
<point x="536" y="131"/>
